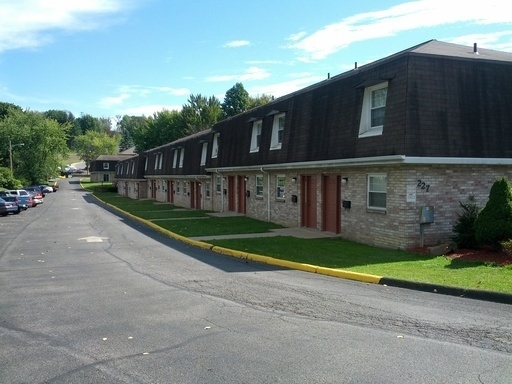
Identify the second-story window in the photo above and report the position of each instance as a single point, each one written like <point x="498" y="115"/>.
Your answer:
<point x="203" y="153"/>
<point x="215" y="146"/>
<point x="256" y="136"/>
<point x="175" y="160"/>
<point x="373" y="110"/>
<point x="182" y="157"/>
<point x="106" y="165"/>
<point x="277" y="131"/>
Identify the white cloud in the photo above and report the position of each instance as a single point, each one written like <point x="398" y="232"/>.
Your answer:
<point x="237" y="44"/>
<point x="126" y="96"/>
<point x="284" y="88"/>
<point x="148" y="110"/>
<point x="30" y="23"/>
<point x="486" y="40"/>
<point x="389" y="22"/>
<point x="252" y="73"/>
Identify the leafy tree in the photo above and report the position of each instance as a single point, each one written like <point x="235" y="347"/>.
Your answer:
<point x="494" y="223"/>
<point x="162" y="128"/>
<point x="66" y="119"/>
<point x="7" y="180"/>
<point x="86" y="123"/>
<point x="236" y="100"/>
<point x="464" y="228"/>
<point x="93" y="144"/>
<point x="259" y="100"/>
<point x="44" y="144"/>
<point x="200" y="113"/>
<point x="6" y="107"/>
<point x="105" y="125"/>
<point x="126" y="126"/>
<point x="62" y="117"/>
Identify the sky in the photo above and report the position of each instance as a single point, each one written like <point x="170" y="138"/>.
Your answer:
<point x="111" y="58"/>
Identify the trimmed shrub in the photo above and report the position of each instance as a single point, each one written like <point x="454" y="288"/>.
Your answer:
<point x="494" y="223"/>
<point x="506" y="246"/>
<point x="464" y="229"/>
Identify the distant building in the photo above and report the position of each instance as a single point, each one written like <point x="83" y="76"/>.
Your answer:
<point x="103" y="168"/>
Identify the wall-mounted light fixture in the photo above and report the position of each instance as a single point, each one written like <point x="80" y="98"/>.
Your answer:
<point x="246" y="178"/>
<point x="294" y="180"/>
<point x="344" y="180"/>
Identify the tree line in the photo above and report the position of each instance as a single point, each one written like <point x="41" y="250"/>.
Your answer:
<point x="34" y="145"/>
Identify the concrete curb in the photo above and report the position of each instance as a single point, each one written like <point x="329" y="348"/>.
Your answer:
<point x="497" y="297"/>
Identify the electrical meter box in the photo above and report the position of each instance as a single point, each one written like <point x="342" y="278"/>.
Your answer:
<point x="427" y="214"/>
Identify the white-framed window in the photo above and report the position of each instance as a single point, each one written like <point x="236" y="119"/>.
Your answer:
<point x="160" y="160"/>
<point x="373" y="110"/>
<point x="377" y="191"/>
<point x="120" y="170"/>
<point x="127" y="168"/>
<point x="175" y="160"/>
<point x="207" y="189"/>
<point x="218" y="185"/>
<point x="215" y="146"/>
<point x="277" y="131"/>
<point x="106" y="165"/>
<point x="256" y="135"/>
<point x="145" y="163"/>
<point x="259" y="185"/>
<point x="156" y="161"/>
<point x="133" y="167"/>
<point x="280" y="187"/>
<point x="182" y="157"/>
<point x="203" y="153"/>
<point x="177" y="187"/>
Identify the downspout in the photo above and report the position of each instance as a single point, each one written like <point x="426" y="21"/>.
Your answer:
<point x="201" y="192"/>
<point x="221" y="190"/>
<point x="268" y="194"/>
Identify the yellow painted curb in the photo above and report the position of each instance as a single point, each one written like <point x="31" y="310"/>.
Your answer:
<point x="349" y="275"/>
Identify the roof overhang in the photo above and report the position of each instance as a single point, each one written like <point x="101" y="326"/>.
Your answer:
<point x="365" y="161"/>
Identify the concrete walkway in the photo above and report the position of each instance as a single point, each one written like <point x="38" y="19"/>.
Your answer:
<point x="303" y="233"/>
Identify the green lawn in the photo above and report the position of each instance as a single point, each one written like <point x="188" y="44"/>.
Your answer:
<point x="326" y="252"/>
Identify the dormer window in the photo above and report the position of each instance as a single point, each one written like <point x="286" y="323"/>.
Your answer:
<point x="373" y="111"/>
<point x="215" y="146"/>
<point x="182" y="157"/>
<point x="175" y="160"/>
<point x="256" y="136"/>
<point x="204" y="150"/>
<point x="277" y="131"/>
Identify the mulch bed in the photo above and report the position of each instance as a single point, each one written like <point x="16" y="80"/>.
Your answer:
<point x="481" y="255"/>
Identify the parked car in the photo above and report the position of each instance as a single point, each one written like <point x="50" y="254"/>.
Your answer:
<point x="46" y="189"/>
<point x="7" y="207"/>
<point x="36" y="199"/>
<point x="37" y="193"/>
<point x="23" y="202"/>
